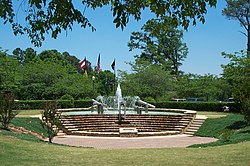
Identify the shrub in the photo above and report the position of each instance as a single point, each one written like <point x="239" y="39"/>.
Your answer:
<point x="83" y="103"/>
<point x="50" y="119"/>
<point x="39" y="104"/>
<point x="66" y="101"/>
<point x="149" y="100"/>
<point x="6" y="109"/>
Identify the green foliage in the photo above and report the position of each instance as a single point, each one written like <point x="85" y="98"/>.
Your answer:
<point x="50" y="76"/>
<point x="105" y="83"/>
<point x="160" y="43"/>
<point x="50" y="119"/>
<point x="51" y="17"/>
<point x="9" y="73"/>
<point x="66" y="99"/>
<point x="83" y="103"/>
<point x="237" y="73"/>
<point x="30" y="104"/>
<point x="6" y="109"/>
<point x="39" y="104"/>
<point x="147" y="81"/>
<point x="207" y="87"/>
<point x="149" y="100"/>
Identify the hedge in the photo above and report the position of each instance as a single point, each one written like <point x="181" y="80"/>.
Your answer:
<point x="39" y="104"/>
<point x="197" y="106"/>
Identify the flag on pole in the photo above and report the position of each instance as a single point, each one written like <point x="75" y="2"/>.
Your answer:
<point x="113" y="65"/>
<point x="98" y="65"/>
<point x="83" y="63"/>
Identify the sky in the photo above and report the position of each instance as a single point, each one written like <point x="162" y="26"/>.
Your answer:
<point x="204" y="41"/>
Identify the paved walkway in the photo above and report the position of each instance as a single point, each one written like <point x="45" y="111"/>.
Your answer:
<point x="138" y="142"/>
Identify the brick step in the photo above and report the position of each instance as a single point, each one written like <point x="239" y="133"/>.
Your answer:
<point x="127" y="119"/>
<point x="117" y="134"/>
<point x="125" y="125"/>
<point x="134" y="121"/>
<point x="117" y="128"/>
<point x="189" y="132"/>
<point x="128" y="122"/>
<point x="143" y="134"/>
<point x="100" y="134"/>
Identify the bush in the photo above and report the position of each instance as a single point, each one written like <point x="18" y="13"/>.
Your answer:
<point x="66" y="101"/>
<point x="29" y="104"/>
<point x="149" y="100"/>
<point x="50" y="119"/>
<point x="246" y="110"/>
<point x="83" y="103"/>
<point x="6" y="109"/>
<point x="39" y="104"/>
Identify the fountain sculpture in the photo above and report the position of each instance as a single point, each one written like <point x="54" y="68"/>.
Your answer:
<point x="118" y="104"/>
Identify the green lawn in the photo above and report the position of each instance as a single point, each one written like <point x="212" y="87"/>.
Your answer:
<point x="20" y="152"/>
<point x="230" y="129"/>
<point x="28" y="113"/>
<point x="24" y="149"/>
<point x="213" y="114"/>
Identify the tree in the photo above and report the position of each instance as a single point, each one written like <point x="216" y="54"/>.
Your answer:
<point x="240" y="10"/>
<point x="148" y="80"/>
<point x="161" y="44"/>
<point x="6" y="108"/>
<point x="39" y="76"/>
<point x="50" y="119"/>
<point x="30" y="54"/>
<point x="105" y="83"/>
<point x="9" y="73"/>
<point x="237" y="72"/>
<point x="19" y="55"/>
<point x="74" y="61"/>
<point x="24" y="56"/>
<point x="208" y="87"/>
<point x="50" y="16"/>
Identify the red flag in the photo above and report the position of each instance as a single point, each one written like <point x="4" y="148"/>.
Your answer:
<point x="83" y="63"/>
<point x="98" y="65"/>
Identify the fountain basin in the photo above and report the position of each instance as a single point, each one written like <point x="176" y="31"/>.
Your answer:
<point x="155" y="122"/>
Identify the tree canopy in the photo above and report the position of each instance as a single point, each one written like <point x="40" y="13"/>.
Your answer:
<point x="160" y="43"/>
<point x="52" y="75"/>
<point x="52" y="16"/>
<point x="237" y="72"/>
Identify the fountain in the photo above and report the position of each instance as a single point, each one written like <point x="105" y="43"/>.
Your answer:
<point x="118" y="104"/>
<point x="127" y="116"/>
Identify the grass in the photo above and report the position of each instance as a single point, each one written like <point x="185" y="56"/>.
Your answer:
<point x="213" y="114"/>
<point x="31" y="124"/>
<point x="25" y="150"/>
<point x="229" y="129"/>
<point x="19" y="152"/>
<point x="28" y="113"/>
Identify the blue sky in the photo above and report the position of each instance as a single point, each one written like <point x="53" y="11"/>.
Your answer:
<point x="205" y="41"/>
